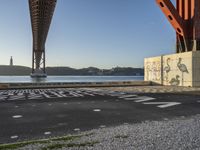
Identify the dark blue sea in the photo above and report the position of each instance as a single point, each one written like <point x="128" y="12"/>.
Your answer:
<point x="28" y="79"/>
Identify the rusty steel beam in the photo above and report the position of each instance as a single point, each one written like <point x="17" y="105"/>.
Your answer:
<point x="41" y="13"/>
<point x="185" y="19"/>
<point x="172" y="15"/>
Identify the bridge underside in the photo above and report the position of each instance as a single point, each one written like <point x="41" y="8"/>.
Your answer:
<point x="41" y="12"/>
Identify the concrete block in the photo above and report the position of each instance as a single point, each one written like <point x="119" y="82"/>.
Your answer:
<point x="182" y="69"/>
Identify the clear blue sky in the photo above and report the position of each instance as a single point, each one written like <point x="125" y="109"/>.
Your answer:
<point x="83" y="33"/>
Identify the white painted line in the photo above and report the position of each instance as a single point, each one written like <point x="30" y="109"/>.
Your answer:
<point x="163" y="104"/>
<point x="17" y="97"/>
<point x="62" y="124"/>
<point x="102" y="126"/>
<point x="127" y="96"/>
<point x="65" y="103"/>
<point x="97" y="110"/>
<point x="56" y="94"/>
<point x="17" y="116"/>
<point x="14" y="137"/>
<point x="47" y="133"/>
<point x="16" y="106"/>
<point x="76" y="129"/>
<point x="144" y="99"/>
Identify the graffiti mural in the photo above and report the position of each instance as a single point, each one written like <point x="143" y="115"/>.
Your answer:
<point x="153" y="70"/>
<point x="183" y="68"/>
<point x="169" y="70"/>
<point x="175" y="81"/>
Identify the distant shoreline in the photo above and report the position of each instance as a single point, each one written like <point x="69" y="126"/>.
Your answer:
<point x="6" y="70"/>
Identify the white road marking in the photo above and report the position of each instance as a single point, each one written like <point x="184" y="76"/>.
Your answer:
<point x="17" y="97"/>
<point x="34" y="96"/>
<point x="59" y="93"/>
<point x="102" y="126"/>
<point x="97" y="110"/>
<point x="2" y="98"/>
<point x="62" y="124"/>
<point x="47" y="133"/>
<point x="144" y="99"/>
<point x="162" y="104"/>
<point x="17" y="116"/>
<point x="127" y="96"/>
<point x="14" y="137"/>
<point x="76" y="129"/>
<point x="56" y="94"/>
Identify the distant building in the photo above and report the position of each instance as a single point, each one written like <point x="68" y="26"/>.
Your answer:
<point x="11" y="61"/>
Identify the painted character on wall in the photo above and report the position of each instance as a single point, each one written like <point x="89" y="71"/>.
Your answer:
<point x="167" y="69"/>
<point x="175" y="81"/>
<point x="183" y="68"/>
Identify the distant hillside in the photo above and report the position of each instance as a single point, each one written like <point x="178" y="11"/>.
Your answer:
<point x="14" y="70"/>
<point x="118" y="71"/>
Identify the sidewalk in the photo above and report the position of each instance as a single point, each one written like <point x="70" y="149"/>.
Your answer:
<point x="155" y="89"/>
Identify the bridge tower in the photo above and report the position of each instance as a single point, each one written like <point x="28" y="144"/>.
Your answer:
<point x="185" y="19"/>
<point x="41" y="12"/>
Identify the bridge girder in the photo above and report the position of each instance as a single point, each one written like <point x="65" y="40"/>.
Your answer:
<point x="185" y="19"/>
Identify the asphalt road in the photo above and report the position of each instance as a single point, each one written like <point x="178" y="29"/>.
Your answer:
<point x="43" y="113"/>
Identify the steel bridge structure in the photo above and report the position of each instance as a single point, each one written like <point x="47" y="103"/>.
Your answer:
<point x="41" y="13"/>
<point x="185" y="19"/>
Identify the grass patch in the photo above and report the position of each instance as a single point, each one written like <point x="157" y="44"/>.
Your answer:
<point x="46" y="141"/>
<point x="121" y="136"/>
<point x="21" y="144"/>
<point x="66" y="138"/>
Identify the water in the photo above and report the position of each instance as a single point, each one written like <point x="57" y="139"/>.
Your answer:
<point x="27" y="79"/>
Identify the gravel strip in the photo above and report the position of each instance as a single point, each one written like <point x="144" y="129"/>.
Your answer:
<point x="179" y="133"/>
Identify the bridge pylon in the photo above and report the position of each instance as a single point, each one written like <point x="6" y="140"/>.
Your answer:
<point x="41" y="13"/>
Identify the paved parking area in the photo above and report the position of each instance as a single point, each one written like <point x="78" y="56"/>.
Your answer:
<point x="42" y="113"/>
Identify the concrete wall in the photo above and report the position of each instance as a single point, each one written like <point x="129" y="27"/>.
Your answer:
<point x="181" y="69"/>
<point x="152" y="70"/>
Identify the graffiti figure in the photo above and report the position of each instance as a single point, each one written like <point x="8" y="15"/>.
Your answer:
<point x="182" y="68"/>
<point x="175" y="81"/>
<point x="154" y="71"/>
<point x="167" y="69"/>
